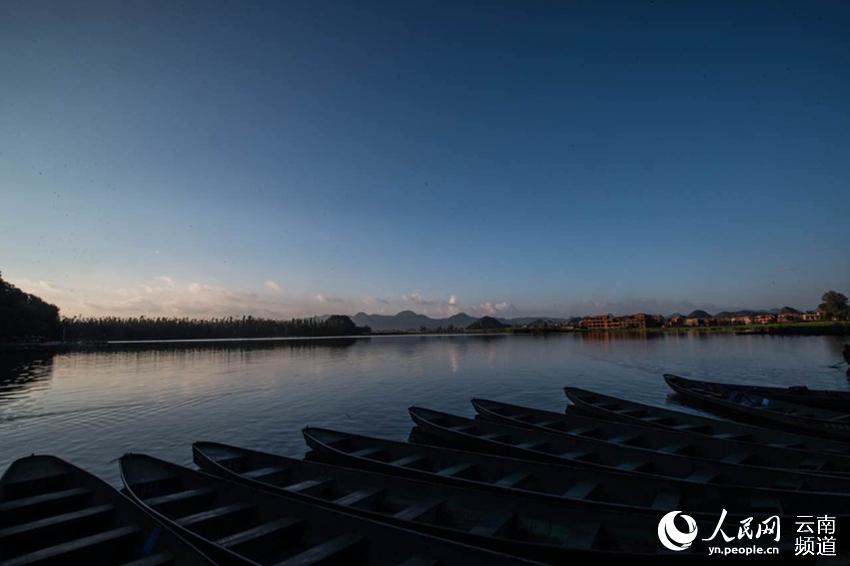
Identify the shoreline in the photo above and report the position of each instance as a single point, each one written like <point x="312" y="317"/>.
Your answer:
<point x="800" y="329"/>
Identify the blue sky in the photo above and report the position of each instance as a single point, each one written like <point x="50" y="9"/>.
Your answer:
<point x="282" y="159"/>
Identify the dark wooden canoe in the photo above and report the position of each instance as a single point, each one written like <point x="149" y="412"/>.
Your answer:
<point x="831" y="400"/>
<point x="499" y="521"/>
<point x="52" y="512"/>
<point x="558" y="485"/>
<point x="696" y="446"/>
<point x="236" y="522"/>
<point x="509" y="441"/>
<point x="761" y="411"/>
<point x="620" y="410"/>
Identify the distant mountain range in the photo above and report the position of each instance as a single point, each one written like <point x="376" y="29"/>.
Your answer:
<point x="409" y="320"/>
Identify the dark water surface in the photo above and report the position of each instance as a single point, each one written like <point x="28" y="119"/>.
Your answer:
<point x="91" y="407"/>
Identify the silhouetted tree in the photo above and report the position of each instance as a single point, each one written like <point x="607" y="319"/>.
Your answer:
<point x="834" y="305"/>
<point x="162" y="328"/>
<point x="25" y="316"/>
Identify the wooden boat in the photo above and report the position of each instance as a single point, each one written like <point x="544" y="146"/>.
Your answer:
<point x="244" y="525"/>
<point x="498" y="521"/>
<point x="831" y="400"/>
<point x="559" y="485"/>
<point x="575" y="450"/>
<point x="620" y="410"/>
<point x="761" y="411"/>
<point x="52" y="512"/>
<point x="698" y="447"/>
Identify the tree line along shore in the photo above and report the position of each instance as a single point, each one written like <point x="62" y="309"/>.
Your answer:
<point x="27" y="319"/>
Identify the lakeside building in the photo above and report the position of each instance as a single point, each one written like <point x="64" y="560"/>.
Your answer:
<point x="694" y="320"/>
<point x="636" y="321"/>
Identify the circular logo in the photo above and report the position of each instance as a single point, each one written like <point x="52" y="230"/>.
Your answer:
<point x="670" y="535"/>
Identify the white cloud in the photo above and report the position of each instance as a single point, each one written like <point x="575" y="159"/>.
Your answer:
<point x="272" y="286"/>
<point x="452" y="300"/>
<point x="166" y="280"/>
<point x="494" y="309"/>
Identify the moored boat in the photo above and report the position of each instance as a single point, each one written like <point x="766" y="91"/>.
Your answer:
<point x="753" y="408"/>
<point x="499" y="521"/>
<point x="692" y="445"/>
<point x="830" y="399"/>
<point x="240" y="524"/>
<point x="575" y="450"/>
<point x="621" y="410"/>
<point x="559" y="485"/>
<point x="52" y="512"/>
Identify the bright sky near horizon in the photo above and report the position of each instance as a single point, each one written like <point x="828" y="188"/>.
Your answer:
<point x="297" y="158"/>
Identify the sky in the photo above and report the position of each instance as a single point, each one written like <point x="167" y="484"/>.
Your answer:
<point x="511" y="158"/>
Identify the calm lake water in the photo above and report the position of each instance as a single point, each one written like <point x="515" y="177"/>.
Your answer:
<point x="91" y="407"/>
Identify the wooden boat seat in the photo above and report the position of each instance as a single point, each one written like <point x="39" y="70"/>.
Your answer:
<point x="686" y="427"/>
<point x="179" y="501"/>
<point x="411" y="460"/>
<point x="157" y="484"/>
<point x="513" y="480"/>
<point x="261" y="536"/>
<point x="361" y="496"/>
<point x="732" y="436"/>
<point x="366" y="452"/>
<point x="158" y="559"/>
<point x="496" y="437"/>
<point x="456" y="470"/>
<point x="788" y="483"/>
<point x="737" y="457"/>
<point x="637" y="413"/>
<point x="582" y="431"/>
<point x="27" y="508"/>
<point x="265" y="474"/>
<point x="634" y="466"/>
<point x="581" y="490"/>
<point x="50" y="527"/>
<point x="666" y="500"/>
<point x="310" y="487"/>
<point x="339" y="550"/>
<point x="419" y="511"/>
<point x="702" y="476"/>
<point x="89" y="549"/>
<point x="206" y="522"/>
<point x="37" y="482"/>
<point x="537" y="446"/>
<point x="680" y="448"/>
<point x="580" y="455"/>
<point x="494" y="525"/>
<point x="624" y="438"/>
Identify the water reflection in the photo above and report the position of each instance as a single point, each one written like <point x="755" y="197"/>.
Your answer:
<point x="92" y="406"/>
<point x="22" y="371"/>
